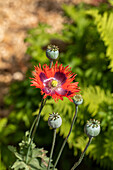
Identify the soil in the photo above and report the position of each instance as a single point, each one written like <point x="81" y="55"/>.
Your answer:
<point x="16" y="17"/>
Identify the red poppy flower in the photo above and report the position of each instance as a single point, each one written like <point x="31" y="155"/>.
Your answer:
<point x="55" y="81"/>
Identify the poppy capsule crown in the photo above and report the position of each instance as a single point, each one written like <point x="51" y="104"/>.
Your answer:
<point x="77" y="99"/>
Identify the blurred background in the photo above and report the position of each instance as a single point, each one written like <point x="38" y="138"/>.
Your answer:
<point x="83" y="30"/>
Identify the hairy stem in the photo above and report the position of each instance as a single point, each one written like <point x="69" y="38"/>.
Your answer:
<point x="52" y="148"/>
<point x="82" y="154"/>
<point x="51" y="62"/>
<point x="62" y="147"/>
<point x="34" y="127"/>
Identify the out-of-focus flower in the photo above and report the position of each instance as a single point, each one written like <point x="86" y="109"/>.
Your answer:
<point x="18" y="76"/>
<point x="56" y="81"/>
<point x="54" y="120"/>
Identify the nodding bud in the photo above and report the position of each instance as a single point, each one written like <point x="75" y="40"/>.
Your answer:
<point x="77" y="99"/>
<point x="54" y="120"/>
<point x="52" y="52"/>
<point x="92" y="128"/>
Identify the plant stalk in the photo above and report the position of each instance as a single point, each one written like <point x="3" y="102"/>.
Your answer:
<point x="51" y="62"/>
<point x="34" y="127"/>
<point x="36" y="122"/>
<point x="82" y="154"/>
<point x="62" y="147"/>
<point x="52" y="148"/>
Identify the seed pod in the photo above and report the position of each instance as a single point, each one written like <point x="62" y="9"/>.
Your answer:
<point x="52" y="52"/>
<point x="77" y="99"/>
<point x="54" y="120"/>
<point x="92" y="128"/>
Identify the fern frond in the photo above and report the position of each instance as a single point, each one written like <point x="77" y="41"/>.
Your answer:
<point x="97" y="103"/>
<point x="94" y="96"/>
<point x="104" y="25"/>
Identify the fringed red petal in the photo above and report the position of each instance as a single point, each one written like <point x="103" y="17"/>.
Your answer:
<point x="69" y="85"/>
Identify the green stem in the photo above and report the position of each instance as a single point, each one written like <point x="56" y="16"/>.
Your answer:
<point x="38" y="118"/>
<point x="82" y="154"/>
<point x="51" y="62"/>
<point x="75" y="115"/>
<point x="36" y="122"/>
<point x="52" y="148"/>
<point x="35" y="125"/>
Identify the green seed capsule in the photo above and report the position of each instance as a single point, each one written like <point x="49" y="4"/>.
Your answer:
<point x="92" y="128"/>
<point x="54" y="120"/>
<point x="77" y="99"/>
<point x="52" y="52"/>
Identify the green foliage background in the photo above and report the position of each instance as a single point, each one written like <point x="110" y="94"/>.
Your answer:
<point x="88" y="37"/>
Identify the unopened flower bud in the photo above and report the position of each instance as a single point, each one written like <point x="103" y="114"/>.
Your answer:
<point x="54" y="120"/>
<point x="52" y="52"/>
<point x="77" y="99"/>
<point x="92" y="128"/>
